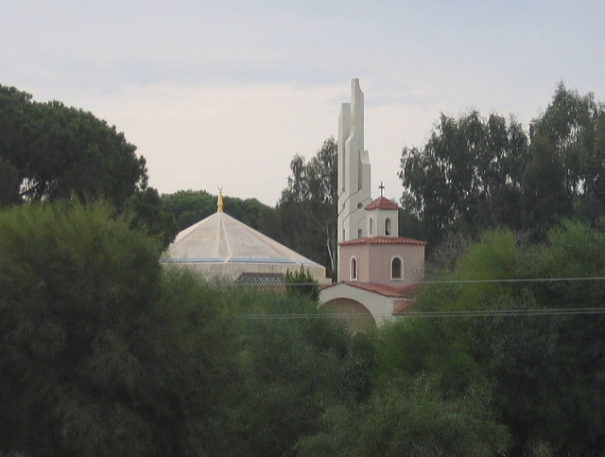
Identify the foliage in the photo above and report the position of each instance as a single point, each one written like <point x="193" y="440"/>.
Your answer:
<point x="567" y="141"/>
<point x="544" y="368"/>
<point x="55" y="151"/>
<point x="412" y="420"/>
<point x="466" y="177"/>
<point x="147" y="213"/>
<point x="105" y="353"/>
<point x="479" y="173"/>
<point x="427" y="397"/>
<point x="102" y="353"/>
<point x="51" y="152"/>
<point x="301" y="282"/>
<point x="189" y="207"/>
<point x="307" y="209"/>
<point x="289" y="371"/>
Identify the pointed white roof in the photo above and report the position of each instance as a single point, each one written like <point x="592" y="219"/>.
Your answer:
<point x="221" y="238"/>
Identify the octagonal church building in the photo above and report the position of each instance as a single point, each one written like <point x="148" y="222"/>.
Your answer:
<point x="220" y="246"/>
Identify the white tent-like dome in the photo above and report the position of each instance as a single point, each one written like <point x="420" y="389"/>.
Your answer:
<point x="220" y="245"/>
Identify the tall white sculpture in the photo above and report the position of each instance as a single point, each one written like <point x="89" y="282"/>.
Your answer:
<point x="354" y="179"/>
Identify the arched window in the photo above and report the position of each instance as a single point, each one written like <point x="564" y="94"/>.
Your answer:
<point x="387" y="227"/>
<point x="371" y="226"/>
<point x="353" y="269"/>
<point x="396" y="268"/>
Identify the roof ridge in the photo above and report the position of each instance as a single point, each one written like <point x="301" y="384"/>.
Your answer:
<point x="223" y="236"/>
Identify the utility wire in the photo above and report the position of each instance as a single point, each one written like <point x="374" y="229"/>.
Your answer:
<point x="435" y="314"/>
<point x="445" y="314"/>
<point x="448" y="281"/>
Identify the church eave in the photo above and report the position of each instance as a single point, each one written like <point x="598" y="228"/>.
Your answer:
<point x="383" y="240"/>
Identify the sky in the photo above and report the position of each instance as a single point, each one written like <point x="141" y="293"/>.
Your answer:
<point x="226" y="93"/>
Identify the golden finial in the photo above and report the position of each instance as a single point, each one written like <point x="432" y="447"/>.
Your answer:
<point x="219" y="202"/>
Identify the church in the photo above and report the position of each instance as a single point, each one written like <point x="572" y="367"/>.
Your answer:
<point x="221" y="246"/>
<point x="378" y="270"/>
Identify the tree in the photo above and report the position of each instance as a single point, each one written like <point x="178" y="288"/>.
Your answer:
<point x="475" y="174"/>
<point x="539" y="356"/>
<point x="57" y="151"/>
<point x="572" y="128"/>
<point x="412" y="420"/>
<point x="466" y="177"/>
<point x="546" y="199"/>
<point x="188" y="207"/>
<point x="301" y="282"/>
<point x="292" y="366"/>
<point x="51" y="152"/>
<point x="102" y="353"/>
<point x="427" y="397"/>
<point x="148" y="214"/>
<point x="308" y="206"/>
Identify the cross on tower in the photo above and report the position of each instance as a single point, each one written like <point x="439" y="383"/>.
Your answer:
<point x="381" y="187"/>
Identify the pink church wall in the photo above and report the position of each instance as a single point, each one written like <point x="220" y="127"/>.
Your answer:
<point x="374" y="263"/>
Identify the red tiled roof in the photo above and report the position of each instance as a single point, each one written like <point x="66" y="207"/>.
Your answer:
<point x="408" y="291"/>
<point x="382" y="203"/>
<point x="382" y="240"/>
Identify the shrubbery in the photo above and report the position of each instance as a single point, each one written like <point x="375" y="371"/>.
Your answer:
<point x="104" y="353"/>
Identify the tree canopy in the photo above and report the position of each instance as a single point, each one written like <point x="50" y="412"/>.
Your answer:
<point x="307" y="209"/>
<point x="537" y="335"/>
<point x="101" y="354"/>
<point x="189" y="206"/>
<point x="477" y="173"/>
<point x="50" y="151"/>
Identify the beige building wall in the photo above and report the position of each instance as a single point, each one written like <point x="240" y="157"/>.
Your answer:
<point x="374" y="263"/>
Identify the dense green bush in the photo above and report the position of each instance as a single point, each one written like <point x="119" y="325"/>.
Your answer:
<point x="102" y="353"/>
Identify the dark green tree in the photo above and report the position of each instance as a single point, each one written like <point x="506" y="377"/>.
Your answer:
<point x="571" y="135"/>
<point x="546" y="199"/>
<point x="467" y="177"/>
<point x="301" y="282"/>
<point x="475" y="174"/>
<point x="148" y="214"/>
<point x="307" y="209"/>
<point x="102" y="353"/>
<point x="539" y="356"/>
<point x="292" y="366"/>
<point x="58" y="151"/>
<point x="188" y="207"/>
<point x="51" y="152"/>
<point x="427" y="397"/>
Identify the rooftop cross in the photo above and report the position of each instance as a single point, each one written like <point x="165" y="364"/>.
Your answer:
<point x="381" y="187"/>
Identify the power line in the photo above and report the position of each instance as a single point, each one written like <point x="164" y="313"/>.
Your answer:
<point x="512" y="280"/>
<point x="434" y="314"/>
<point x="451" y="281"/>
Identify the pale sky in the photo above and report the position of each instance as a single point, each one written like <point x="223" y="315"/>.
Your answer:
<point x="225" y="93"/>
